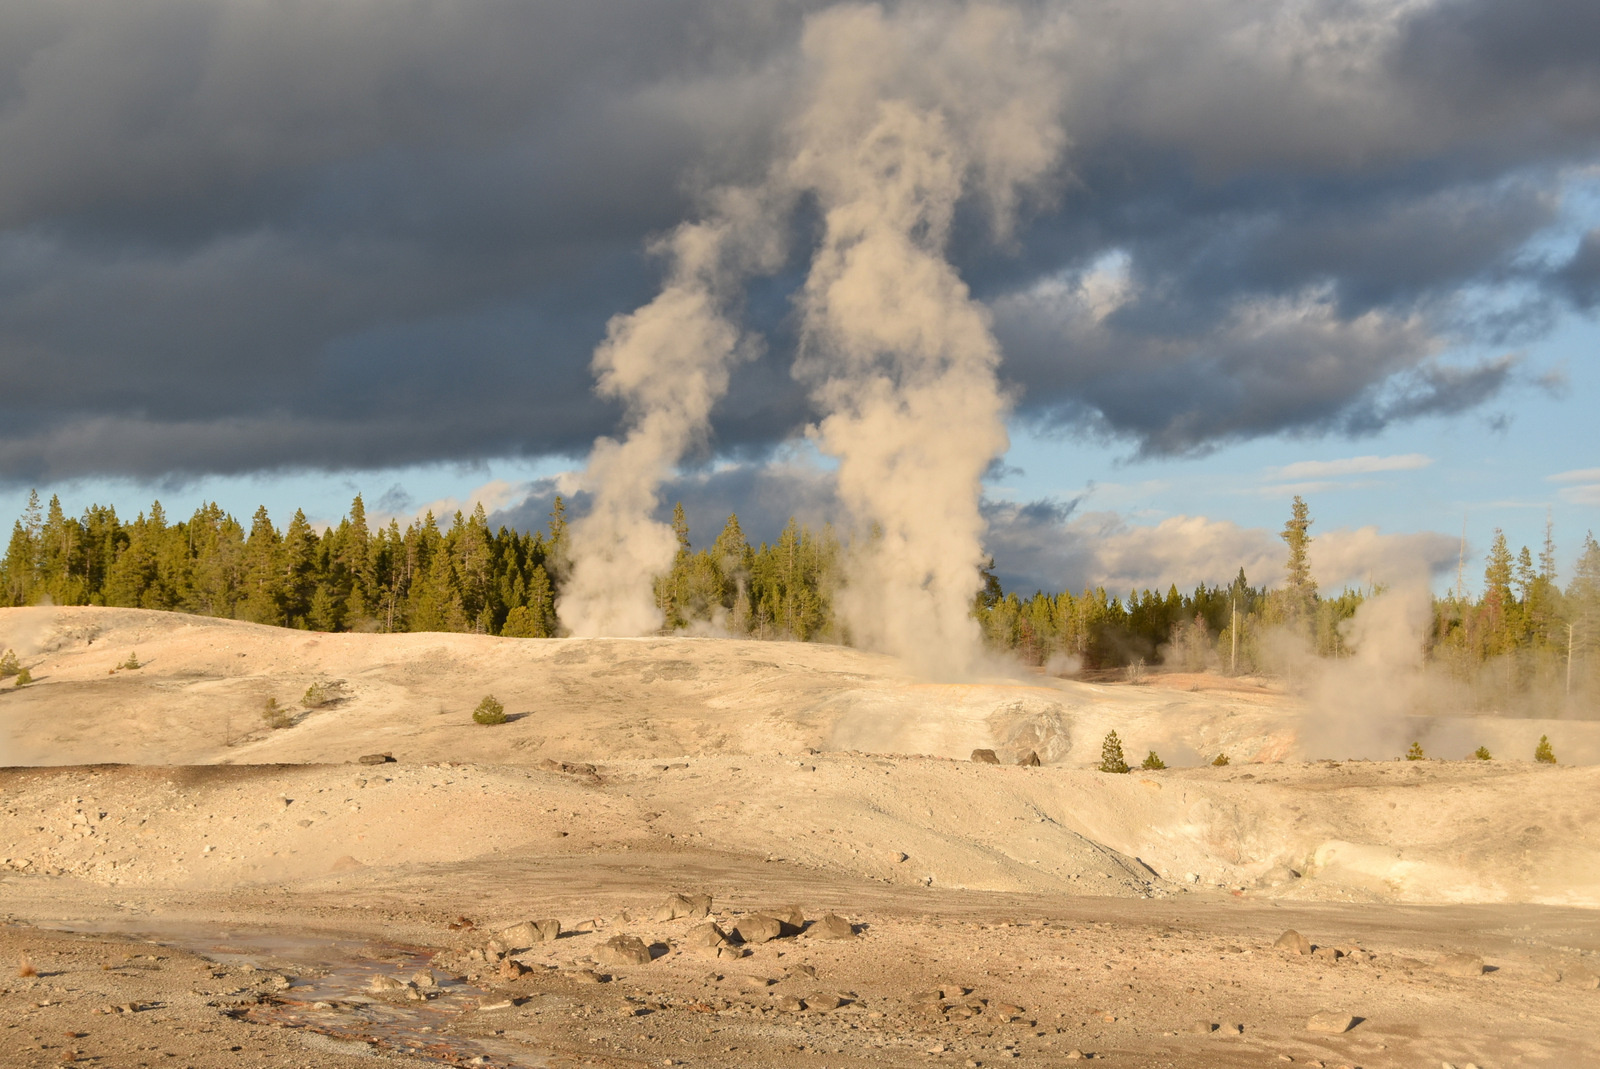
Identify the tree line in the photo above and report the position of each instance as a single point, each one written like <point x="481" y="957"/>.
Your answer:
<point x="464" y="576"/>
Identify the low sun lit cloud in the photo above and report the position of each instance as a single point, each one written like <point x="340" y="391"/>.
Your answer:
<point x="1366" y="465"/>
<point x="1581" y="486"/>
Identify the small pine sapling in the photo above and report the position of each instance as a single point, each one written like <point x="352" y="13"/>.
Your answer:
<point x="489" y="711"/>
<point x="276" y="716"/>
<point x="1220" y="760"/>
<point x="9" y="665"/>
<point x="316" y="695"/>
<point x="1482" y="753"/>
<point x="1415" y="753"/>
<point x="1541" y="753"/>
<point x="24" y="677"/>
<point x="132" y="661"/>
<point x="1111" y="759"/>
<point x="1152" y="762"/>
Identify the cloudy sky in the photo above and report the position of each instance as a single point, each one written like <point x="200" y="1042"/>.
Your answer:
<point x="282" y="253"/>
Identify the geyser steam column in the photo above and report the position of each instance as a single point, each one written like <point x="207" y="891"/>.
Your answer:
<point x="903" y="115"/>
<point x="907" y="112"/>
<point x="668" y="362"/>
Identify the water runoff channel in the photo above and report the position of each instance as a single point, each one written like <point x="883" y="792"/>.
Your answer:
<point x="325" y="986"/>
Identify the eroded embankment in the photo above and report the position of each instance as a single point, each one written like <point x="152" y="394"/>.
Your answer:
<point x="1415" y="831"/>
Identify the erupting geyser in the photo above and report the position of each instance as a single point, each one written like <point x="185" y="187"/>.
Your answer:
<point x="905" y="115"/>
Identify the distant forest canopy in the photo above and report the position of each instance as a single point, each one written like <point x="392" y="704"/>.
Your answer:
<point x="470" y="578"/>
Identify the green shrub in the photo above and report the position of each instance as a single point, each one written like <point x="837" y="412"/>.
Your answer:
<point x="132" y="661"/>
<point x="1482" y="753"/>
<point x="1541" y="753"/>
<point x="1220" y="760"/>
<point x="24" y="677"/>
<point x="1111" y="759"/>
<point x="9" y="665"/>
<point x="1152" y="762"/>
<point x="317" y="694"/>
<point x="276" y="716"/>
<point x="489" y="711"/>
<point x="1415" y="753"/>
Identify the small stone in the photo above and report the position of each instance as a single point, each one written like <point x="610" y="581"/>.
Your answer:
<point x="512" y="969"/>
<point x="376" y="758"/>
<point x="623" y="950"/>
<point x="757" y="928"/>
<point x="1330" y="1024"/>
<point x="1201" y="1028"/>
<point x="388" y="987"/>
<point x="1075" y="1054"/>
<point x="1293" y="942"/>
<point x="549" y="929"/>
<point x="1459" y="965"/>
<point x="495" y="949"/>
<point x="1231" y="1030"/>
<point x="985" y="757"/>
<point x="1029" y="760"/>
<point x="424" y="978"/>
<point x="788" y="1004"/>
<point x="675" y="907"/>
<point x="521" y="936"/>
<point x="1327" y="953"/>
<point x="586" y="976"/>
<point x="823" y="1002"/>
<point x="833" y="926"/>
<point x="706" y="935"/>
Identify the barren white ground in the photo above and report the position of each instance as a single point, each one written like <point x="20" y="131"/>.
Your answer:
<point x="777" y="772"/>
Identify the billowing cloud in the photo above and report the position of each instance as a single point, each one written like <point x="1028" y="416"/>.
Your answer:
<point x="240" y="237"/>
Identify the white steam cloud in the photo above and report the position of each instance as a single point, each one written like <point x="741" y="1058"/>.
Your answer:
<point x="668" y="362"/>
<point x="906" y="114"/>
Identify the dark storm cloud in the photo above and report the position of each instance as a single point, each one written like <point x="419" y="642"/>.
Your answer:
<point x="239" y="236"/>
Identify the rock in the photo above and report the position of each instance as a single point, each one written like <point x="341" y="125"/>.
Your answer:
<point x="833" y="926"/>
<point x="1201" y="1028"/>
<point x="673" y="908"/>
<point x="1293" y="942"/>
<point x="985" y="757"/>
<point x="1330" y="1024"/>
<point x="424" y="978"/>
<point x="521" y="936"/>
<point x="623" y="950"/>
<point x="376" y="759"/>
<point x="823" y="1002"/>
<point x="788" y="1004"/>
<point x="757" y="928"/>
<point x="728" y="950"/>
<point x="1545" y="976"/>
<point x="549" y="929"/>
<point x="790" y="916"/>
<point x="1231" y="1030"/>
<point x="495" y="949"/>
<point x="1582" y="979"/>
<point x="705" y="935"/>
<point x="1327" y="953"/>
<point x="1074" y="1054"/>
<point x="388" y="987"/>
<point x="512" y="969"/>
<point x="587" y="976"/>
<point x="1029" y="760"/>
<point x="1461" y="965"/>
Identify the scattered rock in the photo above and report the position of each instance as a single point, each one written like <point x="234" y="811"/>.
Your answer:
<point x="790" y="916"/>
<point x="1029" y="760"/>
<point x="1327" y="953"/>
<point x="587" y="976"/>
<point x="823" y="1002"/>
<point x="387" y="987"/>
<point x="985" y="757"/>
<point x="623" y="950"/>
<point x="376" y="759"/>
<point x="680" y="906"/>
<point x="705" y="935"/>
<point x="833" y="926"/>
<point x="495" y="949"/>
<point x="1461" y="965"/>
<point x="512" y="969"/>
<point x="1330" y="1024"/>
<point x="788" y="1004"/>
<point x="549" y="929"/>
<point x="424" y="978"/>
<point x="520" y="936"/>
<point x="1293" y="942"/>
<point x="757" y="928"/>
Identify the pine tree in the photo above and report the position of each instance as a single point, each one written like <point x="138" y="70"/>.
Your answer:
<point x="1152" y="762"/>
<point x="1542" y="753"/>
<point x="1482" y="754"/>
<point x="1111" y="759"/>
<point x="1300" y="590"/>
<point x="1415" y="753"/>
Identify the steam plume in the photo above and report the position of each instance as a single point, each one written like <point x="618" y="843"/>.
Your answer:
<point x="907" y="113"/>
<point x="668" y="363"/>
